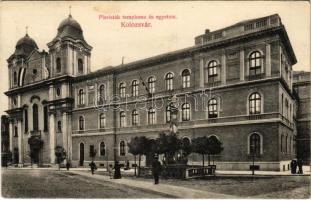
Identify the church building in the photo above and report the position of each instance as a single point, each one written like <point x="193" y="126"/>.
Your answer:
<point x="235" y="83"/>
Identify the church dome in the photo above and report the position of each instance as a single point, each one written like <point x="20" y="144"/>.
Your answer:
<point x="25" y="46"/>
<point x="69" y="27"/>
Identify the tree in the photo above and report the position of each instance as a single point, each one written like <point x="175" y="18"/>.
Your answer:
<point x="215" y="147"/>
<point x="138" y="146"/>
<point x="200" y="145"/>
<point x="168" y="145"/>
<point x="60" y="154"/>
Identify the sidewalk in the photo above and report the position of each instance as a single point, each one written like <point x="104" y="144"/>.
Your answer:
<point x="174" y="191"/>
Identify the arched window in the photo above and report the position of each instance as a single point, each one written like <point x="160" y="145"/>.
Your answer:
<point x="122" y="148"/>
<point x="186" y="141"/>
<point x="135" y="88"/>
<point x="80" y="66"/>
<point x="14" y="78"/>
<point x="254" y="103"/>
<point x="151" y="116"/>
<point x="81" y="123"/>
<point x="212" y="71"/>
<point x="58" y="65"/>
<point x="26" y="120"/>
<point x="185" y="112"/>
<point x="286" y="144"/>
<point x="135" y="118"/>
<point x="254" y="63"/>
<point x="122" y="90"/>
<point x="169" y="81"/>
<point x="102" y="93"/>
<point x="35" y="117"/>
<point x="45" y="118"/>
<point x="102" y="120"/>
<point x="212" y="108"/>
<point x="254" y="144"/>
<point x="122" y="119"/>
<point x="59" y="126"/>
<point x="151" y="84"/>
<point x="81" y="97"/>
<point x="185" y="78"/>
<point x="168" y="114"/>
<point x="102" y="149"/>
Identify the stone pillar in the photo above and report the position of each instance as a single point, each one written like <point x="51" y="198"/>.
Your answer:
<point x="223" y="69"/>
<point x="69" y="61"/>
<point x="69" y="137"/>
<point x="52" y="137"/>
<point x="74" y="62"/>
<point x="85" y="70"/>
<point x="242" y="65"/>
<point x="268" y="60"/>
<point x="201" y="73"/>
<point x="20" y="143"/>
<point x="65" y="131"/>
<point x="11" y="135"/>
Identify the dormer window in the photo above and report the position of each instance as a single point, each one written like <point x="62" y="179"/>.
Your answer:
<point x="58" y="65"/>
<point x="80" y="66"/>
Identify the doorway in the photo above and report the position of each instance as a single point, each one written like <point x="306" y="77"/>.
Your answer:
<point x="81" y="160"/>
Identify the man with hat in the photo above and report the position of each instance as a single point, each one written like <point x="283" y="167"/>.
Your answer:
<point x="156" y="169"/>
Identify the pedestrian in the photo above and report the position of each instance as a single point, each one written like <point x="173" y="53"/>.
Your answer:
<point x="117" y="170"/>
<point x="299" y="163"/>
<point x="93" y="167"/>
<point x="109" y="171"/>
<point x="68" y="165"/>
<point x="156" y="169"/>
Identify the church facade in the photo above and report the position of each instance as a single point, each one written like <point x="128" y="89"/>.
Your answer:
<point x="235" y="83"/>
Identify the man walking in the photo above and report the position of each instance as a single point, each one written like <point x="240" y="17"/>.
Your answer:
<point x="156" y="169"/>
<point x="299" y="163"/>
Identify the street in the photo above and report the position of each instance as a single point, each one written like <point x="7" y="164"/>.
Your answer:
<point x="36" y="183"/>
<point x="50" y="183"/>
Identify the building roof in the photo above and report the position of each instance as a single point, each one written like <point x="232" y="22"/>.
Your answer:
<point x="24" y="46"/>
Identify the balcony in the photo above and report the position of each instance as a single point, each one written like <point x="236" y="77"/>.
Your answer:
<point x="35" y="133"/>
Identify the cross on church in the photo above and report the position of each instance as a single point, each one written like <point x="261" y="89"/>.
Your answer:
<point x="26" y="30"/>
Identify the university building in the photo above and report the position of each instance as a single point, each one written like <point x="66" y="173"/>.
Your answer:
<point x="235" y="84"/>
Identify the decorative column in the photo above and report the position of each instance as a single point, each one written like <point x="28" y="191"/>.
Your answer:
<point x="52" y="137"/>
<point x="201" y="73"/>
<point x="242" y="65"/>
<point x="69" y="61"/>
<point x="85" y="70"/>
<point x="224" y="69"/>
<point x="20" y="143"/>
<point x="268" y="60"/>
<point x="65" y="131"/>
<point x="11" y="135"/>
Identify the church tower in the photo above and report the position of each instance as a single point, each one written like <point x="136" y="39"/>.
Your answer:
<point x="69" y="53"/>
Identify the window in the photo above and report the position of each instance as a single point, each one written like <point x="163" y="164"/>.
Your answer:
<point x="122" y="90"/>
<point x="255" y="63"/>
<point x="45" y="118"/>
<point x="80" y="66"/>
<point x="26" y="120"/>
<point x="102" y="120"/>
<point x="254" y="144"/>
<point x="102" y="148"/>
<point x="186" y="141"/>
<point x="101" y="93"/>
<point x="286" y="145"/>
<point x="59" y="126"/>
<point x="81" y="123"/>
<point x="58" y="65"/>
<point x="14" y="78"/>
<point x="185" y="78"/>
<point x="286" y="108"/>
<point x="254" y="104"/>
<point x="168" y="114"/>
<point x="122" y="148"/>
<point x="135" y="118"/>
<point x="151" y="84"/>
<point x="135" y="88"/>
<point x="81" y="97"/>
<point x="35" y="118"/>
<point x="185" y="112"/>
<point x="169" y="81"/>
<point x="122" y="119"/>
<point x="151" y="116"/>
<point x="34" y="71"/>
<point x="15" y="131"/>
<point x="212" y="108"/>
<point x="212" y="71"/>
<point x="58" y="91"/>
<point x="282" y="143"/>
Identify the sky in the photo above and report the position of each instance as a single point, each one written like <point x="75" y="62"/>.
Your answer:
<point x="111" y="42"/>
